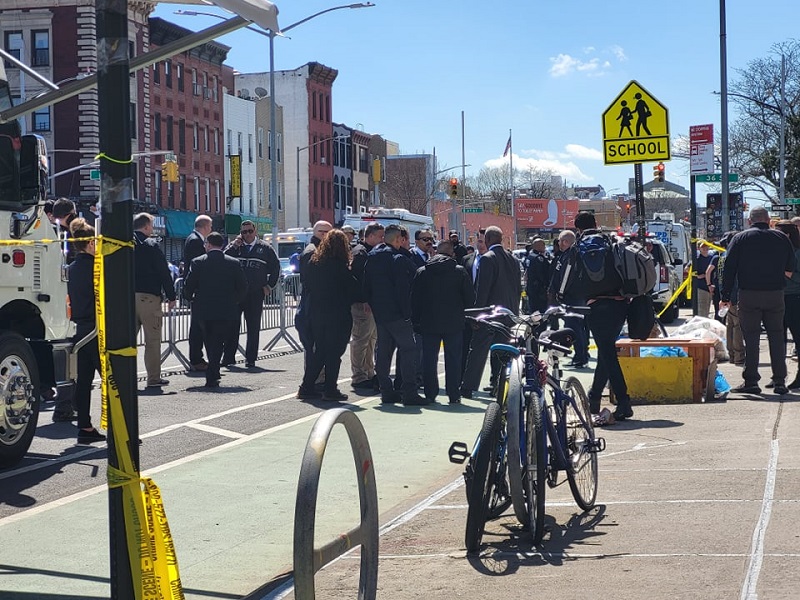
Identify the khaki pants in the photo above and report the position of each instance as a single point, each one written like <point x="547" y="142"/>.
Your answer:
<point x="362" y="343"/>
<point x="149" y="317"/>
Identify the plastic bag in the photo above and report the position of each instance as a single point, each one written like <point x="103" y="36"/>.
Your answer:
<point x="701" y="328"/>
<point x="662" y="352"/>
<point x="721" y="385"/>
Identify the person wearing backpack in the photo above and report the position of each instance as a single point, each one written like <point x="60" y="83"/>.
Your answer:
<point x="590" y="272"/>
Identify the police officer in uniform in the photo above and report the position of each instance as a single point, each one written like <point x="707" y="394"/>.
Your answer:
<point x="538" y="277"/>
<point x="262" y="269"/>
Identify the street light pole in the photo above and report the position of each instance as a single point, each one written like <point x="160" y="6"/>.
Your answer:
<point x="335" y="138"/>
<point x="723" y="68"/>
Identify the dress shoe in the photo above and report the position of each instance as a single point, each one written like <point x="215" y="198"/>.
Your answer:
<point x="334" y="396"/>
<point x="794" y="384"/>
<point x="250" y="365"/>
<point x="415" y="400"/>
<point x="622" y="414"/>
<point x="306" y="394"/>
<point x="747" y="388"/>
<point x="391" y="397"/>
<point x="781" y="389"/>
<point x="465" y="393"/>
<point x="455" y="400"/>
<point x="770" y="385"/>
<point x="90" y="437"/>
<point x="64" y="416"/>
<point x="48" y="394"/>
<point x="367" y="384"/>
<point x="201" y="366"/>
<point x="157" y="383"/>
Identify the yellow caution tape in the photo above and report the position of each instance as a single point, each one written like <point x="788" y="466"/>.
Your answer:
<point x="711" y="245"/>
<point x="154" y="563"/>
<point x="677" y="293"/>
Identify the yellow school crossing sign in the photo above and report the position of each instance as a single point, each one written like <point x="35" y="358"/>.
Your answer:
<point x="635" y="128"/>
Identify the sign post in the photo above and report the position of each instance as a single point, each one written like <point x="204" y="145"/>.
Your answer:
<point x="636" y="130"/>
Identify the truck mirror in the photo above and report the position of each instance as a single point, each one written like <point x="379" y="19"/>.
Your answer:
<point x="33" y="170"/>
<point x="9" y="174"/>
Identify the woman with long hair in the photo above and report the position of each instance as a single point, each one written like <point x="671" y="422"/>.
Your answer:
<point x="791" y="294"/>
<point x="332" y="288"/>
<point x="80" y="288"/>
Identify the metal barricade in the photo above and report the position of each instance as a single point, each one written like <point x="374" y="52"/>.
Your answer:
<point x="288" y="287"/>
<point x="307" y="559"/>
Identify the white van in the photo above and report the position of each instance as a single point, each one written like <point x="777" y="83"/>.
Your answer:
<point x="390" y="216"/>
<point x="289" y="242"/>
<point x="675" y="238"/>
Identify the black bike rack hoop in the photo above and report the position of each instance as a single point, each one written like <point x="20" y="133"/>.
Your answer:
<point x="307" y="559"/>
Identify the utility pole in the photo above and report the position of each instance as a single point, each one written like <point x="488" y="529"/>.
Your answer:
<point x="116" y="201"/>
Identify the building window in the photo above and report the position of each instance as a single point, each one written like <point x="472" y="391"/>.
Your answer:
<point x="230" y="142"/>
<point x="182" y="136"/>
<point x="157" y="131"/>
<point x="133" y="120"/>
<point x="13" y="45"/>
<point x="321" y="107"/>
<point x="336" y="202"/>
<point x="251" y="198"/>
<point x="208" y="194"/>
<point x="335" y="154"/>
<point x="131" y="54"/>
<point x="41" y="119"/>
<point x="279" y="145"/>
<point x="214" y="89"/>
<point x="157" y="188"/>
<point x="330" y="193"/>
<point x="182" y="185"/>
<point x="250" y="147"/>
<point x="195" y="85"/>
<point x="316" y="193"/>
<point x="313" y="105"/>
<point x="216" y="195"/>
<point x="280" y="197"/>
<point x="314" y="152"/>
<point x="170" y="139"/>
<point x="197" y="194"/>
<point x="269" y="145"/>
<point x="205" y="139"/>
<point x="40" y="48"/>
<point x="239" y="139"/>
<point x="171" y="194"/>
<point x="196" y="137"/>
<point x="168" y="73"/>
<point x="156" y="73"/>
<point x="179" y="75"/>
<point x="260" y="142"/>
<point x="216" y="141"/>
<point x="328" y="108"/>
<point x="261" y="193"/>
<point x="363" y="165"/>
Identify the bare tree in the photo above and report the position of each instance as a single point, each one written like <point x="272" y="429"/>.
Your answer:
<point x="406" y="186"/>
<point x="492" y="185"/>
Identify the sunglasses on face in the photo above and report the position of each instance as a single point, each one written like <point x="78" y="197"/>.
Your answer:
<point x="426" y="239"/>
<point x="248" y="230"/>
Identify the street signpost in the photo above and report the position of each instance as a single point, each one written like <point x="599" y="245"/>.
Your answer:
<point x="701" y="146"/>
<point x="635" y="128"/>
<point x="473" y="210"/>
<point x="717" y="178"/>
<point x="792" y="200"/>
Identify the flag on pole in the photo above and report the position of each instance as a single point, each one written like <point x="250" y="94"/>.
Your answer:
<point x="508" y="146"/>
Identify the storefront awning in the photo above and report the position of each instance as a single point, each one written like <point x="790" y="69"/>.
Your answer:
<point x="180" y="223"/>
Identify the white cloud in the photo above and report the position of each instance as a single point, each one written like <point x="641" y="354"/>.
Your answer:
<point x="582" y="152"/>
<point x="566" y="169"/>
<point x="565" y="64"/>
<point x="570" y="151"/>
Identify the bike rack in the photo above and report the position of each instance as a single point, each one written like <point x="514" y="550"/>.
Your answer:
<point x="307" y="559"/>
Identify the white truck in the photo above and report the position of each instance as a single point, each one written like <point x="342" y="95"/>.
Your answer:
<point x="675" y="238"/>
<point x="390" y="216"/>
<point x="34" y="309"/>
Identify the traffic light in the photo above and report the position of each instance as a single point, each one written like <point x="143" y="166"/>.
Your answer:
<point x="658" y="172"/>
<point x="169" y="171"/>
<point x="454" y="187"/>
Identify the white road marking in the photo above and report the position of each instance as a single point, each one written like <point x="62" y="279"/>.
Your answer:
<point x="757" y="547"/>
<point x="628" y="502"/>
<point x="642" y="446"/>
<point x="217" y="430"/>
<point x="565" y="555"/>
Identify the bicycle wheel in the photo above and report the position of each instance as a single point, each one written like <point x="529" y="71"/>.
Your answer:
<point x="535" y="466"/>
<point x="481" y="489"/>
<point x="582" y="461"/>
<point x="515" y="426"/>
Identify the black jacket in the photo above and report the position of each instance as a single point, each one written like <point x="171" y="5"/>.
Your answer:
<point x="150" y="270"/>
<point x="460" y="250"/>
<point x="469" y="262"/>
<point x="215" y="285"/>
<point x="417" y="258"/>
<point x="192" y="248"/>
<point x="332" y="287"/>
<point x="538" y="275"/>
<point x="308" y="252"/>
<point x="441" y="291"/>
<point x="387" y="284"/>
<point x="359" y="261"/>
<point x="498" y="280"/>
<point x="758" y="257"/>
<point x="260" y="265"/>
<point x="80" y="288"/>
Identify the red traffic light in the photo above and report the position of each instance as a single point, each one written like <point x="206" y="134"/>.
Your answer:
<point x="660" y="167"/>
<point x="453" y="181"/>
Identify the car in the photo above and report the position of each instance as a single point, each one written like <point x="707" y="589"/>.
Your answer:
<point x="669" y="280"/>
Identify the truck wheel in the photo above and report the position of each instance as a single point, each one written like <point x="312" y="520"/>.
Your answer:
<point x="19" y="398"/>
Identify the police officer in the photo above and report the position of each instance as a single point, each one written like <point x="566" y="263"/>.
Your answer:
<point x="538" y="277"/>
<point x="262" y="269"/>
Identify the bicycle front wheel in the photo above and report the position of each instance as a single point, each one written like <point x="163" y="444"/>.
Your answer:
<point x="482" y="464"/>
<point x="515" y="426"/>
<point x="581" y="457"/>
<point x="535" y="466"/>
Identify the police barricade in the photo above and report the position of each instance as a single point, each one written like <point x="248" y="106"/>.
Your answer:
<point x="307" y="559"/>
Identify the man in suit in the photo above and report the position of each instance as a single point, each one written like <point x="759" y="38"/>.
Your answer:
<point x="216" y="285"/>
<point x="262" y="269"/>
<point x="192" y="248"/>
<point x="498" y="284"/>
<point x="423" y="248"/>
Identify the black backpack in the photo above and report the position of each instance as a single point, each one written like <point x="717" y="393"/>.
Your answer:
<point x="592" y="268"/>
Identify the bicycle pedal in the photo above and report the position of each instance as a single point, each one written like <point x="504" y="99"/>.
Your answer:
<point x="458" y="453"/>
<point x="597" y="445"/>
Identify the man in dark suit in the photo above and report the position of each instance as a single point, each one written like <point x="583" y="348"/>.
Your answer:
<point x="423" y="248"/>
<point x="216" y="285"/>
<point x="192" y="248"/>
<point x="498" y="284"/>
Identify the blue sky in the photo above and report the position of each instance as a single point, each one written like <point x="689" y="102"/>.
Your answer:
<point x="546" y="70"/>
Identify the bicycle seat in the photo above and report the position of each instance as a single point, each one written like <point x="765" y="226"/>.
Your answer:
<point x="505" y="349"/>
<point x="563" y="337"/>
